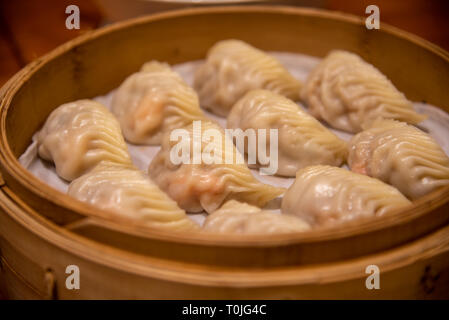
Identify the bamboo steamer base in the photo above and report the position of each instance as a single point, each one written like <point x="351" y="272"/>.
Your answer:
<point x="34" y="267"/>
<point x="42" y="231"/>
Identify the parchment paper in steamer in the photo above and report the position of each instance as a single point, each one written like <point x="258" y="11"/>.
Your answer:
<point x="299" y="65"/>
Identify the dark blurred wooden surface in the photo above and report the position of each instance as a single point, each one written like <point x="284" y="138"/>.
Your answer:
<point x="30" y="28"/>
<point x="427" y="18"/>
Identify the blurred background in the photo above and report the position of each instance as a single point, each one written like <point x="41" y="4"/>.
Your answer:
<point x="31" y="28"/>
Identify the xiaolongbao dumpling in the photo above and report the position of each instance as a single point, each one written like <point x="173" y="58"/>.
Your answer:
<point x="302" y="140"/>
<point x="241" y="218"/>
<point x="325" y="195"/>
<point x="401" y="155"/>
<point x="204" y="169"/>
<point x="79" y="135"/>
<point x="129" y="193"/>
<point x="232" y="68"/>
<point x="348" y="92"/>
<point x="152" y="101"/>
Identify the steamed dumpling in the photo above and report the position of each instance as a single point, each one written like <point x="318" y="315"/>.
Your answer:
<point x="302" y="140"/>
<point x="129" y="193"/>
<point x="219" y="174"/>
<point x="348" y="92"/>
<point x="152" y="101"/>
<point x="233" y="68"/>
<point x="324" y="195"/>
<point x="401" y="155"/>
<point x="79" y="135"/>
<point x="241" y="218"/>
<point x="156" y="66"/>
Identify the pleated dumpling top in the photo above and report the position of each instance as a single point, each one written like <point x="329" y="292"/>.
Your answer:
<point x="348" y="93"/>
<point x="210" y="172"/>
<point x="79" y="135"/>
<point x="302" y="140"/>
<point x="401" y="155"/>
<point x="236" y="217"/>
<point x="154" y="100"/>
<point x="325" y="195"/>
<point x="232" y="68"/>
<point x="129" y="192"/>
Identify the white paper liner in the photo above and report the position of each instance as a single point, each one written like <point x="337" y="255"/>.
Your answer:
<point x="437" y="125"/>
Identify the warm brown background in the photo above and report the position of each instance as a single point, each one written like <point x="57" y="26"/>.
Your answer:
<point x="30" y="28"/>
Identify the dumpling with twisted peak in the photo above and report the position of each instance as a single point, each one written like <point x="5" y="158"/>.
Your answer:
<point x="154" y="100"/>
<point x="302" y="140"/>
<point x="208" y="172"/>
<point x="325" y="196"/>
<point x="232" y="68"/>
<point x="129" y="193"/>
<point x="347" y="93"/>
<point x="401" y="155"/>
<point x="79" y="135"/>
<point x="235" y="217"/>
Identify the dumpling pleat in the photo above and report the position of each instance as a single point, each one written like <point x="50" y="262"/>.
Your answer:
<point x="128" y="192"/>
<point x="347" y="92"/>
<point x="153" y="101"/>
<point x="236" y="217"/>
<point x="402" y="155"/>
<point x="79" y="135"/>
<point x="325" y="195"/>
<point x="232" y="68"/>
<point x="302" y="140"/>
<point x="205" y="186"/>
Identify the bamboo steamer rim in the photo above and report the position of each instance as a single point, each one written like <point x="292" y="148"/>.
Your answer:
<point x="428" y="246"/>
<point x="17" y="174"/>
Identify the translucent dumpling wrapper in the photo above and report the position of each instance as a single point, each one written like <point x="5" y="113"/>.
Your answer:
<point x="79" y="135"/>
<point x="348" y="92"/>
<point x="401" y="155"/>
<point x="154" y="100"/>
<point x="235" y="217"/>
<point x="302" y="140"/>
<point x="326" y="196"/>
<point x="156" y="66"/>
<point x="129" y="192"/>
<point x="203" y="169"/>
<point x="232" y="68"/>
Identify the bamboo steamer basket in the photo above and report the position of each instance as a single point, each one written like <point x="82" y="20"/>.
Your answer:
<point x="42" y="231"/>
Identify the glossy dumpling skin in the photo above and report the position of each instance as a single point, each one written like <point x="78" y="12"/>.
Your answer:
<point x="206" y="186"/>
<point x="232" y="68"/>
<point x="128" y="192"/>
<point x="154" y="100"/>
<point x="325" y="196"/>
<point x="79" y="135"/>
<point x="348" y="92"/>
<point x="236" y="217"/>
<point x="302" y="140"/>
<point x="401" y="155"/>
